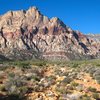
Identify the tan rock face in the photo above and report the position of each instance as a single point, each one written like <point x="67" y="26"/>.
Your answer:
<point x="42" y="37"/>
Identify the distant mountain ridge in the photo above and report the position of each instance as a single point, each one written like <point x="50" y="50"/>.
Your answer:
<point x="95" y="37"/>
<point x="29" y="34"/>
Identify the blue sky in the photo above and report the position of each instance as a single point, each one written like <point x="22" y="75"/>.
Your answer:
<point x="83" y="15"/>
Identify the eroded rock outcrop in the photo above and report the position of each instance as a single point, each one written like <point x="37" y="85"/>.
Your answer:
<point x="29" y="34"/>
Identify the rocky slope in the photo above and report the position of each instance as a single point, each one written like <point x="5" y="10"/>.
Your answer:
<point x="29" y="34"/>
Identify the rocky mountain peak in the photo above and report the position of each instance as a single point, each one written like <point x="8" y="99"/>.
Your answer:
<point x="57" y="21"/>
<point x="33" y="9"/>
<point x="29" y="34"/>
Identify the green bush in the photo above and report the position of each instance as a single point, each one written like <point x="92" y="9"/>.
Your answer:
<point x="74" y="84"/>
<point x="2" y="88"/>
<point x="35" y="78"/>
<point x="95" y="96"/>
<point x="97" y="78"/>
<point x="91" y="89"/>
<point x="11" y="75"/>
<point x="85" y="97"/>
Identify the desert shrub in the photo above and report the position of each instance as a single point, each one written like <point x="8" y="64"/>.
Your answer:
<point x="3" y="67"/>
<point x="97" y="78"/>
<point x="72" y="75"/>
<point x="98" y="65"/>
<point x="91" y="89"/>
<point x="12" y="75"/>
<point x="69" y="87"/>
<point x="51" y="79"/>
<point x="16" y="85"/>
<point x="61" y="89"/>
<point x="73" y="64"/>
<point x="85" y="97"/>
<point x="35" y="78"/>
<point x="21" y="64"/>
<point x="87" y="68"/>
<point x="1" y="74"/>
<point x="97" y="72"/>
<point x="98" y="81"/>
<point x="13" y="97"/>
<point x="2" y="88"/>
<point x="38" y="88"/>
<point x="95" y="96"/>
<point x="80" y="87"/>
<point x="74" y="84"/>
<point x="59" y="72"/>
<point x="40" y="63"/>
<point x="92" y="71"/>
<point x="67" y="80"/>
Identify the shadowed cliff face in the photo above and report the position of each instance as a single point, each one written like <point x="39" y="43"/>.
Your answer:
<point x="29" y="34"/>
